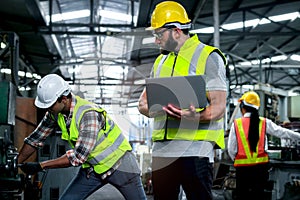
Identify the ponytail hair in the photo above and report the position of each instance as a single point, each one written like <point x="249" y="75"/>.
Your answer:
<point x="253" y="135"/>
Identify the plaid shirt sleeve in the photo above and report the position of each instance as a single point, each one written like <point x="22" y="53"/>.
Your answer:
<point x="89" y="127"/>
<point x="44" y="129"/>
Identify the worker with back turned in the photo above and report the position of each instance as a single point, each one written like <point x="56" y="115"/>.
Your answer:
<point x="247" y="144"/>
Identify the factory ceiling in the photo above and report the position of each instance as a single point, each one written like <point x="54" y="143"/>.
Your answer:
<point x="102" y="48"/>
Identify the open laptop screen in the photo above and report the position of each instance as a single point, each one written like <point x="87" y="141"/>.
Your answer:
<point x="181" y="91"/>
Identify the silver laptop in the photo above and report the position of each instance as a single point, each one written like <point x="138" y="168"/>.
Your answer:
<point x="181" y="91"/>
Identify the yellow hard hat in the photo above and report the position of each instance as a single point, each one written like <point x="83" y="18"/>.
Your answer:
<point x="251" y="99"/>
<point x="169" y="12"/>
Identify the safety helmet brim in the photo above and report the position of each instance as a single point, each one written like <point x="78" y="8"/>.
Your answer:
<point x="49" y="89"/>
<point x="38" y="103"/>
<point x="168" y="12"/>
<point x="250" y="99"/>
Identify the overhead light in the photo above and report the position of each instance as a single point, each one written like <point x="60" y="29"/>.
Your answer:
<point x="21" y="73"/>
<point x="69" y="15"/>
<point x="250" y="23"/>
<point x="238" y="25"/>
<point x="295" y="57"/>
<point x="278" y="58"/>
<point x="268" y="60"/>
<point x="245" y="63"/>
<point x="2" y="45"/>
<point x="24" y="88"/>
<point x="288" y="16"/>
<point x="86" y="13"/>
<point x="5" y="71"/>
<point x="242" y="87"/>
<point x="231" y="67"/>
<point x="117" y="16"/>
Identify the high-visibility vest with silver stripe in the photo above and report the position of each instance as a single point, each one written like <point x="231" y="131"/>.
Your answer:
<point x="191" y="60"/>
<point x="244" y="156"/>
<point x="111" y="144"/>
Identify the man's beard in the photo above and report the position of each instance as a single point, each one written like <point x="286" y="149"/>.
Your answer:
<point x="170" y="45"/>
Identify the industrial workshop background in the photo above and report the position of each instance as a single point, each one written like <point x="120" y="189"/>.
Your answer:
<point x="102" y="49"/>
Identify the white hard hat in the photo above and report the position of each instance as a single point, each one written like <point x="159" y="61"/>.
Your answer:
<point x="49" y="89"/>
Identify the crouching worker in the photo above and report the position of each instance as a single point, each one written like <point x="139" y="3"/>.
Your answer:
<point x="98" y="145"/>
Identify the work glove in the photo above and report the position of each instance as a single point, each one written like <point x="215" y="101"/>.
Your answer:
<point x="31" y="167"/>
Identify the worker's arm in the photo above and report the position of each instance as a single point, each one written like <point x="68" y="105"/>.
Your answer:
<point x="232" y="143"/>
<point x="143" y="104"/>
<point x="25" y="152"/>
<point x="35" y="167"/>
<point x="215" y="110"/>
<point x="37" y="138"/>
<point x="60" y="162"/>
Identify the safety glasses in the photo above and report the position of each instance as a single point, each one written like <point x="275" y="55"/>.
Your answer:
<point x="159" y="35"/>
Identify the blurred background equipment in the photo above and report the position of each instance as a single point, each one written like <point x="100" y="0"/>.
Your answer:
<point x="11" y="183"/>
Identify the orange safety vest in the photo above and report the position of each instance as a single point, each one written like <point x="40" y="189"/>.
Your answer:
<point x="244" y="156"/>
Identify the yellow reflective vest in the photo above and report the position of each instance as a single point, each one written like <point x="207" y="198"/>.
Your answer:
<point x="191" y="60"/>
<point x="111" y="144"/>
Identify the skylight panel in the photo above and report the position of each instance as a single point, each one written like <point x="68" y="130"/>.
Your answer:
<point x="251" y="23"/>
<point x="69" y="15"/>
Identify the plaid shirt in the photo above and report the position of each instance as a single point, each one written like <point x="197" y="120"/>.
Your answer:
<point x="89" y="127"/>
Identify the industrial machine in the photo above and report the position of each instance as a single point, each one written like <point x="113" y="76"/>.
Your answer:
<point x="285" y="162"/>
<point x="11" y="183"/>
<point x="14" y="185"/>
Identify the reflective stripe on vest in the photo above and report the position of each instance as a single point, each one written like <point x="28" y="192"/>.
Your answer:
<point x="162" y="60"/>
<point x="110" y="144"/>
<point x="174" y="129"/>
<point x="244" y="155"/>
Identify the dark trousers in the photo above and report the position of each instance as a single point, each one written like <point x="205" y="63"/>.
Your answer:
<point x="126" y="179"/>
<point x="251" y="182"/>
<point x="194" y="174"/>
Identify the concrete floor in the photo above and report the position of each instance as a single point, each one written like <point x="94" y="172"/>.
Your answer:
<point x="108" y="192"/>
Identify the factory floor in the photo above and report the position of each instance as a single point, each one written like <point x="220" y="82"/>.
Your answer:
<point x="108" y="192"/>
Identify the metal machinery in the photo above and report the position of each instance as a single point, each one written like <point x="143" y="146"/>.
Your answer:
<point x="11" y="183"/>
<point x="285" y="170"/>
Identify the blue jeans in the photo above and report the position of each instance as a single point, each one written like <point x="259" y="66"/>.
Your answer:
<point x="126" y="179"/>
<point x="194" y="174"/>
